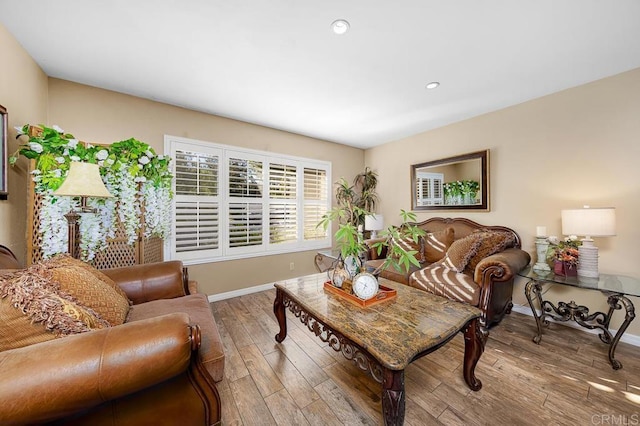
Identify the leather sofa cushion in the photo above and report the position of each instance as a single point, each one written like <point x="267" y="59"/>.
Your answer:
<point x="441" y="281"/>
<point x="199" y="311"/>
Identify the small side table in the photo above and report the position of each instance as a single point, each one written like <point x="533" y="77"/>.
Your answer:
<point x="326" y="259"/>
<point x="615" y="287"/>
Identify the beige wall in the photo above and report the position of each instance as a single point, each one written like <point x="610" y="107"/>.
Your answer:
<point x="23" y="91"/>
<point x="103" y="116"/>
<point x="580" y="146"/>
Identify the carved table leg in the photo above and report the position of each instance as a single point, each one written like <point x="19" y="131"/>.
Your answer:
<point x="534" y="287"/>
<point x="393" y="397"/>
<point x="279" y="311"/>
<point x="614" y="301"/>
<point x="475" y="338"/>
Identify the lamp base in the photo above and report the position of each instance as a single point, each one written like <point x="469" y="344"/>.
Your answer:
<point x="588" y="259"/>
<point x="374" y="234"/>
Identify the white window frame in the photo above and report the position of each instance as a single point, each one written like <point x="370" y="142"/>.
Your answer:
<point x="435" y="183"/>
<point x="224" y="252"/>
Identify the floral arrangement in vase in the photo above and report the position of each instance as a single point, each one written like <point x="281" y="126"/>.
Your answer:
<point x="461" y="192"/>
<point x="130" y="170"/>
<point x="564" y="254"/>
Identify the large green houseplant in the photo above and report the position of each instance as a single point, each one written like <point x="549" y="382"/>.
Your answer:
<point x="354" y="204"/>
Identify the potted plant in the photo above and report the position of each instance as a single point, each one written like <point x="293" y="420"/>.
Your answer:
<point x="564" y="254"/>
<point x="360" y="198"/>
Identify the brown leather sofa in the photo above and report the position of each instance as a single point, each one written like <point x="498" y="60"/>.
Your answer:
<point x="489" y="286"/>
<point x="159" y="367"/>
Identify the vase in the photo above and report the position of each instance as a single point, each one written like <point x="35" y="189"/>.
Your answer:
<point x="565" y="269"/>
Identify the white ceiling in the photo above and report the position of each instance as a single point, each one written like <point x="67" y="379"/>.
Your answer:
<point x="277" y="63"/>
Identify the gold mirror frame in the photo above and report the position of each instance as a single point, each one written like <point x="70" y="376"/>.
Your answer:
<point x="431" y="187"/>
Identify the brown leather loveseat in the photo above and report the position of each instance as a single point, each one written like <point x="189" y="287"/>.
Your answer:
<point x="158" y="367"/>
<point x="464" y="261"/>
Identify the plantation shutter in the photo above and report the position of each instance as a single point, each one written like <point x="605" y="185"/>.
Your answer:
<point x="283" y="209"/>
<point x="197" y="203"/>
<point x="315" y="201"/>
<point x="429" y="189"/>
<point x="245" y="212"/>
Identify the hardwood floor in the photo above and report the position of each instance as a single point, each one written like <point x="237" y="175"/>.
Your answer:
<point x="566" y="380"/>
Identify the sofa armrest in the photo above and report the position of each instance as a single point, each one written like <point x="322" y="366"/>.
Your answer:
<point x="501" y="266"/>
<point x="151" y="281"/>
<point x="60" y="377"/>
<point x="372" y="253"/>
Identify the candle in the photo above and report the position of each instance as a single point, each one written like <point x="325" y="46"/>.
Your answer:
<point x="541" y="231"/>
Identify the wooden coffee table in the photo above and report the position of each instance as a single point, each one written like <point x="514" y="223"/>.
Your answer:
<point x="385" y="338"/>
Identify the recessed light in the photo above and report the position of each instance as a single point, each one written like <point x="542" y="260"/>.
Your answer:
<point x="432" y="85"/>
<point x="340" y="26"/>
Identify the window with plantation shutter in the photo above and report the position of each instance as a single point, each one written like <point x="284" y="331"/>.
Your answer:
<point x="197" y="202"/>
<point x="231" y="203"/>
<point x="315" y="202"/>
<point x="283" y="209"/>
<point x="429" y="189"/>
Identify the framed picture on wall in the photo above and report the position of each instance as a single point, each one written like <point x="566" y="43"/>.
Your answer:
<point x="4" y="122"/>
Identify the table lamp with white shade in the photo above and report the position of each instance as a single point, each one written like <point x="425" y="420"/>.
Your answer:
<point x="589" y="222"/>
<point x="83" y="180"/>
<point x="374" y="223"/>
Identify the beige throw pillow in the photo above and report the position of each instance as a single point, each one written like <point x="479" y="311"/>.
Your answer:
<point x="437" y="243"/>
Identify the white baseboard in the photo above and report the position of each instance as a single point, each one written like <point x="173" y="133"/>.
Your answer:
<point x="238" y="293"/>
<point x="627" y="338"/>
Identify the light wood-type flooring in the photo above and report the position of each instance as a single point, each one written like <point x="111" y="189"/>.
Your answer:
<point x="566" y="380"/>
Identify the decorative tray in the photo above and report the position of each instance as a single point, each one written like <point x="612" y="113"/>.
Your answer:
<point x="384" y="294"/>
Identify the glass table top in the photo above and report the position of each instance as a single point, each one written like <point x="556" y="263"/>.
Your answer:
<point x="605" y="282"/>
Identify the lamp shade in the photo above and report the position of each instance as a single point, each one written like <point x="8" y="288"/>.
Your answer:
<point x="83" y="180"/>
<point x="596" y="222"/>
<point x="374" y="222"/>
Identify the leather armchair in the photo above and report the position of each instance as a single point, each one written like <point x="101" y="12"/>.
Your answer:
<point x="145" y="371"/>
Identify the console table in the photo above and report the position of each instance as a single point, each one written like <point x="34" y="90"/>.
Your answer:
<point x="615" y="287"/>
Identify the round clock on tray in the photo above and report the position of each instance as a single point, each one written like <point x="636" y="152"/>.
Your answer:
<point x="365" y="286"/>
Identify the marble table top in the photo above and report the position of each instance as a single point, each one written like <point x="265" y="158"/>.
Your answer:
<point x="393" y="332"/>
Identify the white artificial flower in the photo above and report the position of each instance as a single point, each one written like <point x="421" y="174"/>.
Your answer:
<point x="102" y="155"/>
<point x="89" y="146"/>
<point x="60" y="160"/>
<point x="57" y="172"/>
<point x="75" y="158"/>
<point x="35" y="146"/>
<point x="72" y="143"/>
<point x="110" y="161"/>
<point x="160" y="157"/>
<point x="57" y="128"/>
<point x="553" y="239"/>
<point x="35" y="172"/>
<point x="149" y="154"/>
<point x="144" y="160"/>
<point x="140" y="179"/>
<point x="19" y="130"/>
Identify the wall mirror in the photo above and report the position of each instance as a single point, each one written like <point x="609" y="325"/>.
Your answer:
<point x="454" y="183"/>
<point x="4" y="122"/>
